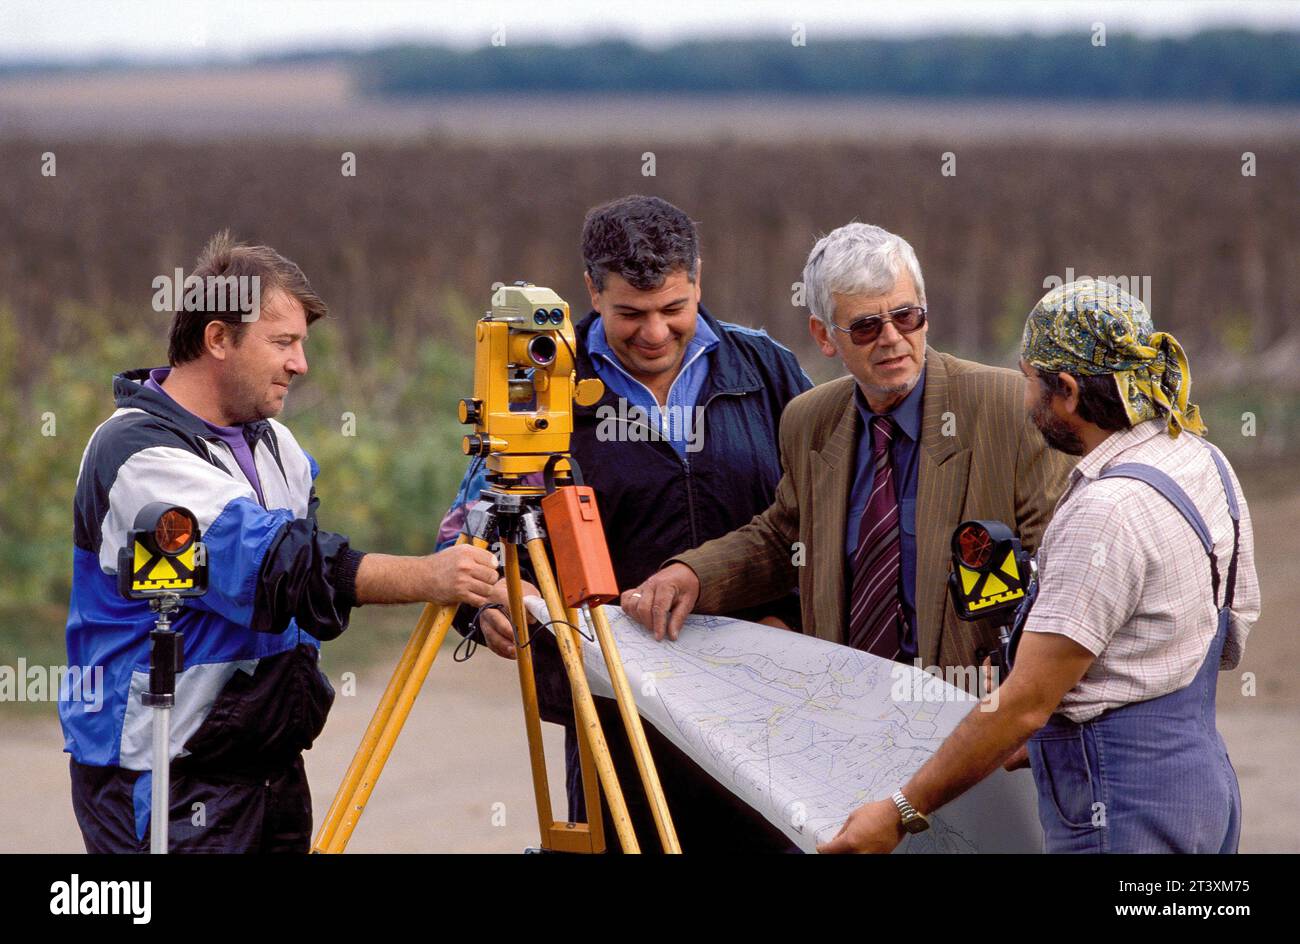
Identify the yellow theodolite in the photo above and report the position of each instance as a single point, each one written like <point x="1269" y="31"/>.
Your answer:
<point x="525" y="386"/>
<point x="524" y="382"/>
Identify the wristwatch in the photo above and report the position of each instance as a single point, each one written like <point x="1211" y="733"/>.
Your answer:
<point x="913" y="821"/>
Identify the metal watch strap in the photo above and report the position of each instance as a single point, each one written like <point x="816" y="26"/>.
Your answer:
<point x="909" y="814"/>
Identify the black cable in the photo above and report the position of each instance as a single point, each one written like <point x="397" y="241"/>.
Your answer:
<point x="572" y="356"/>
<point x="468" y="642"/>
<point x="550" y="623"/>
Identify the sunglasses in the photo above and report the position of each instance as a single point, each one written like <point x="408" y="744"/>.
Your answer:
<point x="866" y="330"/>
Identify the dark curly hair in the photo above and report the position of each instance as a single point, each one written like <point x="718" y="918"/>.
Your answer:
<point x="643" y="239"/>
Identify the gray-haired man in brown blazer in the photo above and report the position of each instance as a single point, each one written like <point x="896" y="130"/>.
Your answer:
<point x="879" y="468"/>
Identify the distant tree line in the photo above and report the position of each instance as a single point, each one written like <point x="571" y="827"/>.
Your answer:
<point x="1215" y="65"/>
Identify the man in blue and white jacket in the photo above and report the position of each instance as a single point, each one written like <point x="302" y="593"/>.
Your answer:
<point x="251" y="697"/>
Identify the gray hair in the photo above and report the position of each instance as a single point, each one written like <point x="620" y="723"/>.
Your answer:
<point x="857" y="259"/>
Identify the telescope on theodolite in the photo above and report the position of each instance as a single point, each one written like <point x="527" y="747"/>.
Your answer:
<point x="524" y="382"/>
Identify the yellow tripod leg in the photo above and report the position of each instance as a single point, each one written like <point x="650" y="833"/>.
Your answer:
<point x="586" y="837"/>
<point x="392" y="728"/>
<point x="368" y="740"/>
<point x="584" y="707"/>
<point x="386" y="725"/>
<point x="590" y="785"/>
<point x="528" y="690"/>
<point x="636" y="733"/>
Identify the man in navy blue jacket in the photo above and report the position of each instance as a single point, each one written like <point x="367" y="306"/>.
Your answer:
<point x="251" y="697"/>
<point x="682" y="448"/>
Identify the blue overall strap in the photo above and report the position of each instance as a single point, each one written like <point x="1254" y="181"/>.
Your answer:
<point x="1235" y="511"/>
<point x="1172" y="491"/>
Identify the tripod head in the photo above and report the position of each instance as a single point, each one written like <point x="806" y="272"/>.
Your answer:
<point x="525" y="382"/>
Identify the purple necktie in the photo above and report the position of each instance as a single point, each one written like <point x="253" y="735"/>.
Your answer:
<point x="875" y="608"/>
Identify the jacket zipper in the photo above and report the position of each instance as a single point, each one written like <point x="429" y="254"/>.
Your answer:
<point x="685" y="462"/>
<point x="209" y="444"/>
<point x="657" y="435"/>
<point x="690" y="490"/>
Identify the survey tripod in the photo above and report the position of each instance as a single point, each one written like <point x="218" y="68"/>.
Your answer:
<point x="525" y="387"/>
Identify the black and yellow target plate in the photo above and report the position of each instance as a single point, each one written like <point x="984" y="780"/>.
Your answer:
<point x="990" y="570"/>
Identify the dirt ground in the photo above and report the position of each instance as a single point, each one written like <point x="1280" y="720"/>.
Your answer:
<point x="458" y="780"/>
<point x="462" y="752"/>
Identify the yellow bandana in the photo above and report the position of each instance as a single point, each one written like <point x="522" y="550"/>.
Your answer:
<point x="1093" y="328"/>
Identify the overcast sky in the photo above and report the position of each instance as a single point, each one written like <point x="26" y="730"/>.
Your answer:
<point x="78" y="29"/>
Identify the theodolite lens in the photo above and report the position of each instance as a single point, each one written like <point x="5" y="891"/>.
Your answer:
<point x="539" y="316"/>
<point x="541" y="350"/>
<point x="557" y="316"/>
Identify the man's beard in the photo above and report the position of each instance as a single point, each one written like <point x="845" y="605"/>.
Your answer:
<point x="892" y="390"/>
<point x="246" y="404"/>
<point x="1056" y="432"/>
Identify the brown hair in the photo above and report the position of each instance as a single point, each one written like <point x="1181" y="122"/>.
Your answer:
<point x="224" y="257"/>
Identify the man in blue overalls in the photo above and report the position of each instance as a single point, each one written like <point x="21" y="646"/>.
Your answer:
<point x="1147" y="590"/>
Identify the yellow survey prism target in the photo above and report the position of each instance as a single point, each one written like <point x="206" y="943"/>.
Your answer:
<point x="990" y="570"/>
<point x="162" y="555"/>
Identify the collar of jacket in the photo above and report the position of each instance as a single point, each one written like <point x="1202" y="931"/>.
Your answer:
<point x="129" y="391"/>
<point x="836" y="442"/>
<point x="729" y="371"/>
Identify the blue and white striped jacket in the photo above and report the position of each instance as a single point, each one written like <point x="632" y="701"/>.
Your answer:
<point x="251" y="692"/>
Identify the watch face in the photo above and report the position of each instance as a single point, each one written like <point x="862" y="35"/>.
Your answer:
<point x="918" y="824"/>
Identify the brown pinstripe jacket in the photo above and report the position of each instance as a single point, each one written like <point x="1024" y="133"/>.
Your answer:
<point x="980" y="457"/>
